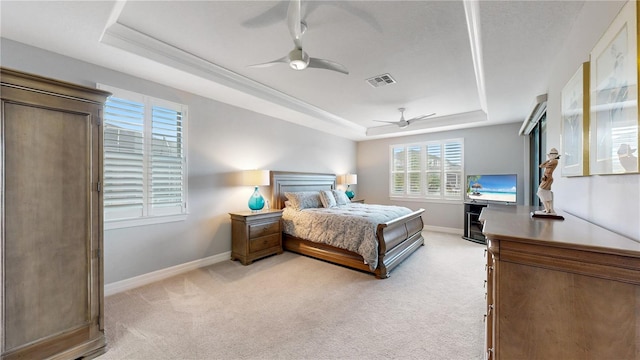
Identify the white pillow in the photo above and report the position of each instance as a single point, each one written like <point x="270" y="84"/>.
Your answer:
<point x="328" y="201"/>
<point x="341" y="197"/>
<point x="304" y="199"/>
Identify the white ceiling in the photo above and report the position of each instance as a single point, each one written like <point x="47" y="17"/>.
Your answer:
<point x="485" y="73"/>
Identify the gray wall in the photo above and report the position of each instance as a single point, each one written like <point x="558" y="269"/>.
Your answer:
<point x="611" y="201"/>
<point x="490" y="149"/>
<point x="222" y="140"/>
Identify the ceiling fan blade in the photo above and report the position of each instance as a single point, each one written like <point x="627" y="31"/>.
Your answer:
<point x="388" y="122"/>
<point x="294" y="22"/>
<point x="418" y="118"/>
<point x="284" y="59"/>
<point x="327" y="65"/>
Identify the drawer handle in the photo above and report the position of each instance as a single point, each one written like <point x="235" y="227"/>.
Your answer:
<point x="487" y="267"/>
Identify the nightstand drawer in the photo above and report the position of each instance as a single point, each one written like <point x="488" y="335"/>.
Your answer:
<point x="264" y="242"/>
<point x="256" y="231"/>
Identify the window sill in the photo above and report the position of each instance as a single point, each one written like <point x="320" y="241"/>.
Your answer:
<point x="426" y="200"/>
<point x="120" y="224"/>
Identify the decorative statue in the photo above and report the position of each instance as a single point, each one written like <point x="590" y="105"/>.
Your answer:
<point x="544" y="190"/>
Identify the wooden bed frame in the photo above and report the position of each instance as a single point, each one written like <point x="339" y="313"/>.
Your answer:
<point x="397" y="239"/>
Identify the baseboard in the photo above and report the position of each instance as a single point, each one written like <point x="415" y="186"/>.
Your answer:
<point x="444" y="229"/>
<point x="134" y="282"/>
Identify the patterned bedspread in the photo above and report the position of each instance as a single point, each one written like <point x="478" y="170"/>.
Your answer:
<point x="351" y="227"/>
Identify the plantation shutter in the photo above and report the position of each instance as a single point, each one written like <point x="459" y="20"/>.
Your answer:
<point x="123" y="159"/>
<point x="414" y="170"/>
<point x="167" y="170"/>
<point x="434" y="169"/>
<point x="453" y="170"/>
<point x="145" y="160"/>
<point x="398" y="167"/>
<point x="431" y="170"/>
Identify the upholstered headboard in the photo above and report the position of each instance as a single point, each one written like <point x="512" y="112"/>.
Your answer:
<point x="283" y="181"/>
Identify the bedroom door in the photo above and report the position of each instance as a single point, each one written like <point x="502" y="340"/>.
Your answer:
<point x="52" y="282"/>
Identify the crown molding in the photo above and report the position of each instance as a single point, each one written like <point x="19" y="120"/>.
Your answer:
<point x="128" y="39"/>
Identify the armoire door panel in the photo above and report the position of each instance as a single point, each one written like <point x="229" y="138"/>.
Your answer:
<point x="48" y="230"/>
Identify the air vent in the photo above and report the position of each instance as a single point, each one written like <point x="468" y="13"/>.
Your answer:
<point x="381" y="80"/>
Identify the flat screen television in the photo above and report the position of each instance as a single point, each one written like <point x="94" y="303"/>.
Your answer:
<point x="496" y="188"/>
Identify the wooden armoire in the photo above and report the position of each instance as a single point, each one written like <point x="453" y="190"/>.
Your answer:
<point x="51" y="224"/>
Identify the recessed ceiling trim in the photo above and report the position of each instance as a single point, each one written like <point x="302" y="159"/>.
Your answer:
<point x="472" y="12"/>
<point x="128" y="39"/>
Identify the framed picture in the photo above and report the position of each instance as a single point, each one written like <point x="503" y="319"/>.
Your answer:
<point x="613" y="141"/>
<point x="575" y="124"/>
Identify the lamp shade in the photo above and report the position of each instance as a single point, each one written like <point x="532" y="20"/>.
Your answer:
<point x="351" y="179"/>
<point x="255" y="177"/>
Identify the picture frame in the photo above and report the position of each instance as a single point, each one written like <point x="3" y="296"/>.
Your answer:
<point x="613" y="140"/>
<point x="575" y="124"/>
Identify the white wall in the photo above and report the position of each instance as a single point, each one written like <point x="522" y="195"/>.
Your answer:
<point x="611" y="201"/>
<point x="222" y="140"/>
<point x="489" y="150"/>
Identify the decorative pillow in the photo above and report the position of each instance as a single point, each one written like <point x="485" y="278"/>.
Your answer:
<point x="341" y="197"/>
<point x="304" y="199"/>
<point x="328" y="201"/>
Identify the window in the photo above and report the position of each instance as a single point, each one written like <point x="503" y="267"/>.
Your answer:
<point x="144" y="160"/>
<point x="431" y="170"/>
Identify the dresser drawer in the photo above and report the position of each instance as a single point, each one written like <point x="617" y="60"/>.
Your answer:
<point x="264" y="242"/>
<point x="256" y="231"/>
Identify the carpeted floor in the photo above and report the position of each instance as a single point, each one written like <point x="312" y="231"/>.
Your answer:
<point x="293" y="307"/>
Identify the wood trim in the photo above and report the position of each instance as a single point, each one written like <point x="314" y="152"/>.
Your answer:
<point x="325" y="252"/>
<point x="44" y="85"/>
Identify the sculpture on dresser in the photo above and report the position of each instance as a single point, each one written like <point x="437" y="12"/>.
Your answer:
<point x="544" y="190"/>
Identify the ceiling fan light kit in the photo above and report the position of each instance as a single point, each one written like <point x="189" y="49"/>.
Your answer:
<point x="298" y="59"/>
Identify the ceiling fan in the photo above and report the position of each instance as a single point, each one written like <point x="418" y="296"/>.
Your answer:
<point x="297" y="58"/>
<point x="402" y="123"/>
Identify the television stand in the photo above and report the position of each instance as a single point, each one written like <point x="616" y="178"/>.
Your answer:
<point x="472" y="225"/>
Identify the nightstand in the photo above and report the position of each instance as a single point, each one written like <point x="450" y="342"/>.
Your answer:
<point x="360" y="201"/>
<point x="255" y="235"/>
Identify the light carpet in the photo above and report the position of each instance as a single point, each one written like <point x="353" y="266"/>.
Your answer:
<point x="293" y="307"/>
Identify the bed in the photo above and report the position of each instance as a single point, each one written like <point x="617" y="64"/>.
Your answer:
<point x="397" y="238"/>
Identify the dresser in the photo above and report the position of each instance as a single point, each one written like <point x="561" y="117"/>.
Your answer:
<point x="559" y="289"/>
<point x="51" y="257"/>
<point x="255" y="235"/>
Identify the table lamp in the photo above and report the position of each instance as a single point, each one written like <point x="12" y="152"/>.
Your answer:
<point x="350" y="179"/>
<point x="256" y="178"/>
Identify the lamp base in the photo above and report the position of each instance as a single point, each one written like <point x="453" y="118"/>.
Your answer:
<point x="256" y="201"/>
<point x="350" y="194"/>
